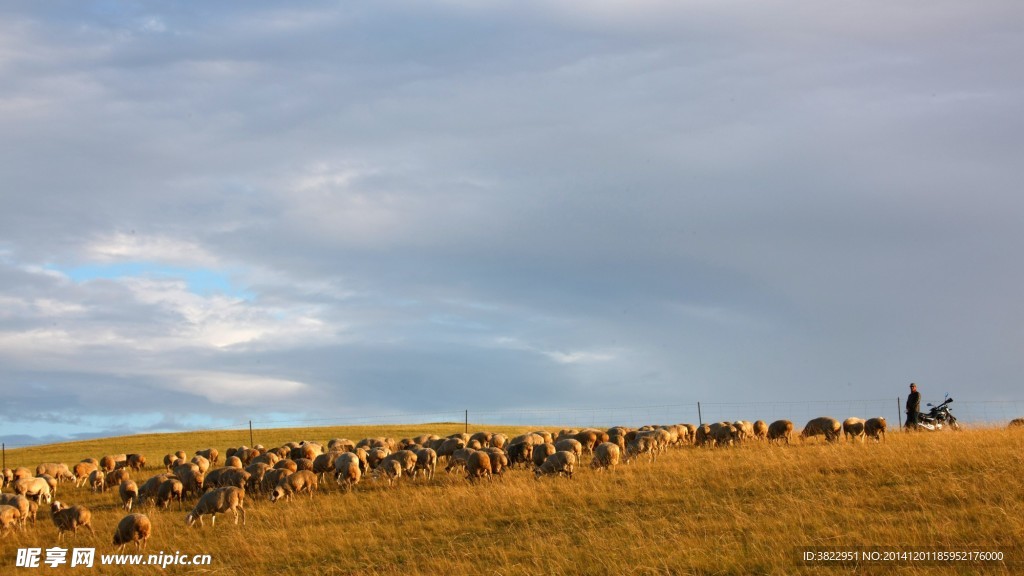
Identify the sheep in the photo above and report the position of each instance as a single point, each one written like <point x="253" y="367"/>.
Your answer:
<point x="256" y="473"/>
<point x="115" y="477"/>
<point x="301" y="481"/>
<point x="170" y="489"/>
<point x="780" y="430"/>
<point x="149" y="487"/>
<point x="589" y="438"/>
<point x="211" y="454"/>
<point x="272" y="477"/>
<point x="558" y="463"/>
<point x="33" y="488"/>
<point x="853" y="428"/>
<point x="391" y="469"/>
<point x="27" y="508"/>
<point x="606" y="455"/>
<point x="51" y="481"/>
<point x="570" y="445"/>
<point x="1016" y="423"/>
<point x="478" y="465"/>
<point x="6" y="477"/>
<point x="19" y="473"/>
<point x="744" y="430"/>
<point x="70" y="519"/>
<point x="136" y="461"/>
<point x="533" y="439"/>
<point x="448" y="447"/>
<point x="191" y="479"/>
<point x="303" y="464"/>
<point x="760" y="430"/>
<point x="60" y="471"/>
<point x="499" y="461"/>
<point x="81" y="472"/>
<point x="270" y="458"/>
<point x="458" y="459"/>
<point x="405" y="458"/>
<point x="541" y="453"/>
<point x="341" y="444"/>
<point x="304" y="451"/>
<point x="233" y="462"/>
<point x="129" y="492"/>
<point x="484" y="438"/>
<point x="9" y="517"/>
<point x="875" y="427"/>
<point x="107" y="463"/>
<point x="202" y="463"/>
<point x="324" y="463"/>
<point x="426" y="461"/>
<point x="224" y="499"/>
<point x="723" y="433"/>
<point x="226" y="477"/>
<point x="519" y="453"/>
<point x="499" y="441"/>
<point x="347" y="472"/>
<point x="691" y="432"/>
<point x="133" y="528"/>
<point x="641" y="445"/>
<point x="830" y="428"/>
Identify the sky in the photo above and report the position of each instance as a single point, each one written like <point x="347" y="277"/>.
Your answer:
<point x="219" y="212"/>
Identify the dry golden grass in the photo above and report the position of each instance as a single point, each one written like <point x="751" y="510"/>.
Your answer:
<point x="745" y="510"/>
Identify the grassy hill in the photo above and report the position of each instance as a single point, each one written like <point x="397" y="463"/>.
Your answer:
<point x="753" y="509"/>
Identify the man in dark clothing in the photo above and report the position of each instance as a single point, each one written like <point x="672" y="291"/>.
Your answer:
<point x="913" y="406"/>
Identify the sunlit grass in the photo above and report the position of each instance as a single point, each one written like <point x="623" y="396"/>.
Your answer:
<point x="744" y="510"/>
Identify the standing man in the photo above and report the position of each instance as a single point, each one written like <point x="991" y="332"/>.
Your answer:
<point x="913" y="406"/>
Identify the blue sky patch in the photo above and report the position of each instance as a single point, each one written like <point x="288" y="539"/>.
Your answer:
<point x="201" y="281"/>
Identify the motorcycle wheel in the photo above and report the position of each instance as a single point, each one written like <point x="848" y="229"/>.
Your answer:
<point x="955" y="426"/>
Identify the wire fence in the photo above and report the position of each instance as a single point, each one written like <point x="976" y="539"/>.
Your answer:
<point x="991" y="413"/>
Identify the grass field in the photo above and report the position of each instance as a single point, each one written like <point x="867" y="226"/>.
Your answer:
<point x="752" y="509"/>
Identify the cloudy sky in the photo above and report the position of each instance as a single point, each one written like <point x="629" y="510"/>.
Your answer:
<point x="214" y="212"/>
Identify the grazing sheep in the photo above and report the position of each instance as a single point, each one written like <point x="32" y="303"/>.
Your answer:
<point x="226" y="477"/>
<point x="51" y="481"/>
<point x="133" y="528"/>
<point x="324" y="463"/>
<point x="1016" y="423"/>
<point x="97" y="480"/>
<point x="780" y="430"/>
<point x="170" y="489"/>
<point x="303" y="464"/>
<point x="558" y="463"/>
<point x="703" y="437"/>
<point x="641" y="445"/>
<point x="149" y="487"/>
<point x="129" y="492"/>
<point x="60" y="471"/>
<point x="287" y="464"/>
<point x="724" y="433"/>
<point x="270" y="458"/>
<point x="606" y="455"/>
<point x="211" y="454"/>
<point x="744" y="430"/>
<point x="458" y="459"/>
<point x="499" y="441"/>
<point x="202" y="463"/>
<point x="256" y="473"/>
<point x="115" y="477"/>
<point x="6" y="477"/>
<point x="27" y="508"/>
<point x="9" y="517"/>
<point x="760" y="430"/>
<point x="391" y="469"/>
<point x="830" y="428"/>
<point x="301" y="481"/>
<point x="107" y="463"/>
<point x="405" y="458"/>
<point x="69" y="519"/>
<point x="519" y="453"/>
<point x="541" y="453"/>
<point x="448" y="447"/>
<point x="305" y="451"/>
<point x="499" y="461"/>
<point x="478" y="465"/>
<point x="272" y="477"/>
<point x="853" y="428"/>
<point x="136" y="461"/>
<point x="36" y="489"/>
<point x="347" y="471"/>
<point x="341" y="444"/>
<point x="81" y="472"/>
<point x="191" y="479"/>
<point x="426" y="462"/>
<point x="233" y="462"/>
<point x="19" y="473"/>
<point x="484" y="438"/>
<point x="875" y="427"/>
<point x="222" y="500"/>
<point x="570" y="445"/>
<point x="589" y="438"/>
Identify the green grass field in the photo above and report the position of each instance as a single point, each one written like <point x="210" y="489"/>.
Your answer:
<point x="752" y="509"/>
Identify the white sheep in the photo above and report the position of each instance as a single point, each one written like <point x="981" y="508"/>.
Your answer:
<point x="558" y="463"/>
<point x="222" y="500"/>
<point x="133" y="528"/>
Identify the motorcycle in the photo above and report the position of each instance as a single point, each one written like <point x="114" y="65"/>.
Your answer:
<point x="938" y="417"/>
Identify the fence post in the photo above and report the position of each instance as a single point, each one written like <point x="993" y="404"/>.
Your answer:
<point x="5" y="454"/>
<point x="251" y="443"/>
<point x="467" y="421"/>
<point x="700" y="419"/>
<point x="899" y="415"/>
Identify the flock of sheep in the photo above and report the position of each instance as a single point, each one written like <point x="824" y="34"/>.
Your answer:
<point x="299" y="468"/>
